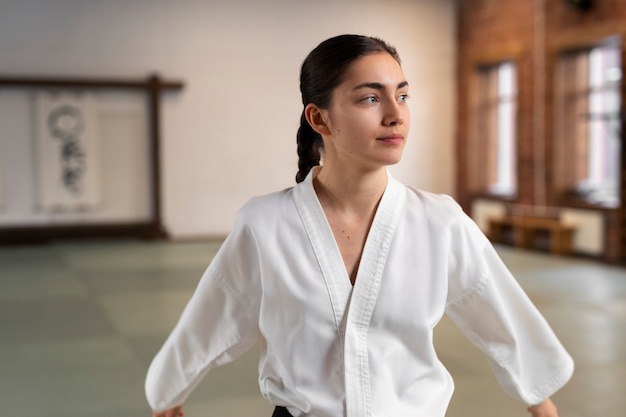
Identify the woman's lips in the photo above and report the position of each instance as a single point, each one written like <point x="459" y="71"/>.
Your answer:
<point x="393" y="139"/>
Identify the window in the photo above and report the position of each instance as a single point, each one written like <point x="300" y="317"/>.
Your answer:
<point x="587" y="158"/>
<point x="495" y="145"/>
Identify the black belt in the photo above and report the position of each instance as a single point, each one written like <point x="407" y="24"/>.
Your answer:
<point x="281" y="412"/>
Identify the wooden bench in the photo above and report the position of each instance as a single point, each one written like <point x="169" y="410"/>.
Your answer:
<point x="525" y="231"/>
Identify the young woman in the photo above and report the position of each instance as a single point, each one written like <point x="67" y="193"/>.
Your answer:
<point x="342" y="278"/>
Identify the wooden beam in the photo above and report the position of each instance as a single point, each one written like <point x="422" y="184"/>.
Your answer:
<point x="90" y="83"/>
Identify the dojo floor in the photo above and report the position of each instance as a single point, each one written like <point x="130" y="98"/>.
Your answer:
<point x="80" y="322"/>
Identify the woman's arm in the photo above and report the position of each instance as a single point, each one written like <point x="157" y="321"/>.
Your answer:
<point x="219" y="323"/>
<point x="544" y="409"/>
<point x="172" y="412"/>
<point x="495" y="313"/>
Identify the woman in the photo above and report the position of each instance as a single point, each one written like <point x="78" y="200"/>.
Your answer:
<point x="342" y="278"/>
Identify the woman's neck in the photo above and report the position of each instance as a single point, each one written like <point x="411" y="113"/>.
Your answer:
<point x="347" y="190"/>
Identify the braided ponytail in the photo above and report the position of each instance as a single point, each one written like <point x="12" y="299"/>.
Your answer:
<point x="309" y="146"/>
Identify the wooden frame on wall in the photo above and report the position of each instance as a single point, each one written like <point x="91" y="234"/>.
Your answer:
<point x="152" y="227"/>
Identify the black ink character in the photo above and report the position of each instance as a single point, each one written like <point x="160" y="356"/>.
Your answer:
<point x="67" y="123"/>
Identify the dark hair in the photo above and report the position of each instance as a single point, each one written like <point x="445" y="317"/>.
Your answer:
<point x="322" y="71"/>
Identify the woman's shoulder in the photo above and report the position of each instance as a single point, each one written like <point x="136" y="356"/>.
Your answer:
<point x="439" y="209"/>
<point x="266" y="206"/>
<point x="432" y="201"/>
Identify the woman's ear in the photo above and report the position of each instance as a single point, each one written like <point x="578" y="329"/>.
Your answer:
<point x="317" y="118"/>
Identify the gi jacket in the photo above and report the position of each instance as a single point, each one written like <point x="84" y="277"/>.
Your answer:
<point x="331" y="349"/>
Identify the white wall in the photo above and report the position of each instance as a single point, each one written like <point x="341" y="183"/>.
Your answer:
<point x="231" y="133"/>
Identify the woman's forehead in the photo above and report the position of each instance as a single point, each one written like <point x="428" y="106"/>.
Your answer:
<point x="379" y="68"/>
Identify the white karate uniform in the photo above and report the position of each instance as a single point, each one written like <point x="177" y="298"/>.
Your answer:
<point x="331" y="349"/>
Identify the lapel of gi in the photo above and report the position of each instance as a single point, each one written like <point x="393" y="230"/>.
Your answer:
<point x="325" y="248"/>
<point x="361" y="298"/>
<point x="363" y="302"/>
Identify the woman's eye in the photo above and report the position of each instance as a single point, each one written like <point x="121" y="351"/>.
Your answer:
<point x="369" y="100"/>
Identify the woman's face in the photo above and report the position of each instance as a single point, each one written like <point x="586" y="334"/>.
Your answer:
<point x="368" y="118"/>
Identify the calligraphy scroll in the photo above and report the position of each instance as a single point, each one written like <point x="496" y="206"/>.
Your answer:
<point x="67" y="148"/>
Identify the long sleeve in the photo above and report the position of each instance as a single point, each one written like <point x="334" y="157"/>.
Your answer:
<point x="219" y="323"/>
<point x="492" y="310"/>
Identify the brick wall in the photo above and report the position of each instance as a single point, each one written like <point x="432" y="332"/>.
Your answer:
<point x="533" y="33"/>
<point x="491" y="31"/>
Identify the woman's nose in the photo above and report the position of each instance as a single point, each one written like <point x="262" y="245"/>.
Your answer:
<point x="394" y="115"/>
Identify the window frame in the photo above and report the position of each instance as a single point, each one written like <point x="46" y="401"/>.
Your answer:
<point x="485" y="140"/>
<point x="571" y="157"/>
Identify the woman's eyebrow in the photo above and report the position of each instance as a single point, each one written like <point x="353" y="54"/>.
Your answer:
<point x="379" y="86"/>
